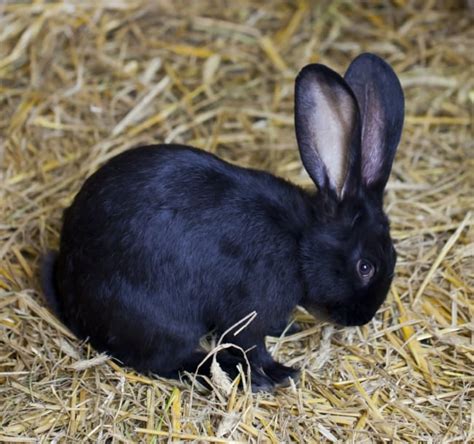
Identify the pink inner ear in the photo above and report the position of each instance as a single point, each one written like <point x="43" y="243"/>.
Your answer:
<point x="331" y="127"/>
<point x="372" y="143"/>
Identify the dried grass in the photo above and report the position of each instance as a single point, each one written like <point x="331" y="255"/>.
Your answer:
<point x="84" y="80"/>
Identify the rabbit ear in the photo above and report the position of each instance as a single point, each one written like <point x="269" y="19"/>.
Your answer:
<point x="327" y="126"/>
<point x="381" y="103"/>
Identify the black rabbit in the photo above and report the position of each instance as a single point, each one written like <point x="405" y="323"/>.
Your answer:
<point x="165" y="243"/>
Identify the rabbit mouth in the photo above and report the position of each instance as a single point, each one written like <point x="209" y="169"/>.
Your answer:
<point x="349" y="313"/>
<point x="354" y="317"/>
<point x="349" y="321"/>
<point x="344" y="317"/>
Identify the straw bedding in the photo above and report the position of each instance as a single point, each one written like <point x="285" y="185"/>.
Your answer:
<point x="83" y="81"/>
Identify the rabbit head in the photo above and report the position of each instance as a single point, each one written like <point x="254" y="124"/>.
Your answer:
<point x="348" y="130"/>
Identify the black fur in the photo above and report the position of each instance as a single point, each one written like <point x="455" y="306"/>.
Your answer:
<point x="48" y="283"/>
<point x="165" y="243"/>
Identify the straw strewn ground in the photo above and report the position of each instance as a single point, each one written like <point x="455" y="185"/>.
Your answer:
<point x="82" y="81"/>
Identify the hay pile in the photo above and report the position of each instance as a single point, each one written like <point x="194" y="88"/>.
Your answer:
<point x="84" y="80"/>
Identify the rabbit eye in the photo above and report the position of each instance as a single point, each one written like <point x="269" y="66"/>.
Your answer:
<point x="365" y="269"/>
